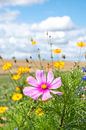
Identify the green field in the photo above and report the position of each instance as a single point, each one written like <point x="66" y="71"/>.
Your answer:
<point x="66" y="112"/>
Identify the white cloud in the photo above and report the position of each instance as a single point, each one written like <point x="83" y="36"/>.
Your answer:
<point x="15" y="37"/>
<point x="19" y="2"/>
<point x="54" y="24"/>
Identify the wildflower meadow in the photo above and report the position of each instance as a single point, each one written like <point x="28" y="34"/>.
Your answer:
<point x="44" y="97"/>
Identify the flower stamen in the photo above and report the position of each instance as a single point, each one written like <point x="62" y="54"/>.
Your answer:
<point x="43" y="86"/>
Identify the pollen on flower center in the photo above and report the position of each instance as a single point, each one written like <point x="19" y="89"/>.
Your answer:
<point x="43" y="86"/>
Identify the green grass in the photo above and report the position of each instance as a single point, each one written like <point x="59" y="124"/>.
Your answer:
<point x="66" y="112"/>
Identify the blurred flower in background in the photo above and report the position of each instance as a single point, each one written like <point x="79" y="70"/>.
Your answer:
<point x="59" y="64"/>
<point x="16" y="76"/>
<point x="84" y="78"/>
<point x="7" y="66"/>
<point x="22" y="70"/>
<point x="83" y="69"/>
<point x="81" y="44"/>
<point x="57" y="51"/>
<point x="33" y="42"/>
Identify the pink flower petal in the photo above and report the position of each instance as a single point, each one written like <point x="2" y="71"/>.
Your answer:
<point x="32" y="81"/>
<point x="32" y="92"/>
<point x="40" y="76"/>
<point x="36" y="96"/>
<point x="54" y="92"/>
<point x="56" y="83"/>
<point x="50" y="77"/>
<point x="46" y="95"/>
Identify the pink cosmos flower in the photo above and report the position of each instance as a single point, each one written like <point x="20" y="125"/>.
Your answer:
<point x="42" y="85"/>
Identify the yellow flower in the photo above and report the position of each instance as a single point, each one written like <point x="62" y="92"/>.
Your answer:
<point x="16" y="77"/>
<point x="17" y="88"/>
<point x="17" y="96"/>
<point x="7" y="66"/>
<point x="39" y="112"/>
<point x="33" y="42"/>
<point x="57" y="51"/>
<point x="81" y="44"/>
<point x="26" y="69"/>
<point x="3" y="109"/>
<point x="59" y="64"/>
<point x="22" y="70"/>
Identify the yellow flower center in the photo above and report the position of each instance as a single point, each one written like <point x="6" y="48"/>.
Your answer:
<point x="17" y="96"/>
<point x="43" y="86"/>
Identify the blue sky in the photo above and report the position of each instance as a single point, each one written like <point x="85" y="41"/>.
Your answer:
<point x="21" y="20"/>
<point x="35" y="13"/>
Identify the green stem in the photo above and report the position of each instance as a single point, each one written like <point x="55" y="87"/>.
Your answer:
<point x="10" y="74"/>
<point x="27" y="115"/>
<point x="39" y="57"/>
<point x="62" y="117"/>
<point x="51" y="54"/>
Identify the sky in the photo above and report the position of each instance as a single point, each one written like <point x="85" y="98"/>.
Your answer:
<point x="21" y="20"/>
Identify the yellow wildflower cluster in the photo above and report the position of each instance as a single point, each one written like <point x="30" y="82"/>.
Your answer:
<point x="39" y="112"/>
<point x="17" y="96"/>
<point x="59" y="64"/>
<point x="81" y="44"/>
<point x="16" y="76"/>
<point x="7" y="66"/>
<point x="22" y="70"/>
<point x="3" y="109"/>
